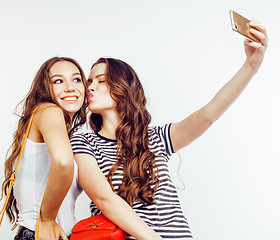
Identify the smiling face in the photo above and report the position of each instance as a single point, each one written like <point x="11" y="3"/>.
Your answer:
<point x="67" y="87"/>
<point x="99" y="97"/>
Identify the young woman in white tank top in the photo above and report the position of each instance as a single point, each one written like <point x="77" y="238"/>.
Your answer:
<point x="58" y="95"/>
<point x="47" y="164"/>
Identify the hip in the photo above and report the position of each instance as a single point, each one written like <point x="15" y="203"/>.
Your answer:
<point x="27" y="234"/>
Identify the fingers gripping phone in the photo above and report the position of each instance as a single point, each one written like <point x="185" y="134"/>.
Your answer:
<point x="241" y="25"/>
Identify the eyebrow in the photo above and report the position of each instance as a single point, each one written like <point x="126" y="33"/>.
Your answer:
<point x="61" y="75"/>
<point x="99" y="75"/>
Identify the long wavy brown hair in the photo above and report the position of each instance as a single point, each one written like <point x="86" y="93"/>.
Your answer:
<point x="40" y="92"/>
<point x="140" y="172"/>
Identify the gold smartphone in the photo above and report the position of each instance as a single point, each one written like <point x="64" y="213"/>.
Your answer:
<point x="241" y="25"/>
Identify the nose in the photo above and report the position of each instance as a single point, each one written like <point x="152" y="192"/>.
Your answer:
<point x="69" y="86"/>
<point x="92" y="86"/>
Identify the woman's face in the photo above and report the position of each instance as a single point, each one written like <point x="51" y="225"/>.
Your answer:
<point x="67" y="86"/>
<point x="99" y="98"/>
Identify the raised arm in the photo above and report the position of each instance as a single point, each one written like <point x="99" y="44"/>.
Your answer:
<point x="112" y="206"/>
<point x="49" y="120"/>
<point x="189" y="129"/>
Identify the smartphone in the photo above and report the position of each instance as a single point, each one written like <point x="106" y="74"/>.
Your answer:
<point x="241" y="25"/>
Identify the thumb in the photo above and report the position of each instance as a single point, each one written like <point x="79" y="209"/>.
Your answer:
<point x="247" y="41"/>
<point x="63" y="235"/>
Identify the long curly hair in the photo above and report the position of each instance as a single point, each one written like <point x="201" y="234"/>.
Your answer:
<point x="140" y="172"/>
<point x="40" y="92"/>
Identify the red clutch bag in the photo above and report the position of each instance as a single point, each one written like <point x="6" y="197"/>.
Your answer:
<point x="97" y="228"/>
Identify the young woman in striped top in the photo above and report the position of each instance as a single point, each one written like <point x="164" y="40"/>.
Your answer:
<point x="134" y="156"/>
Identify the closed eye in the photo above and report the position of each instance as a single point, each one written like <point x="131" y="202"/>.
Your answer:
<point x="101" y="78"/>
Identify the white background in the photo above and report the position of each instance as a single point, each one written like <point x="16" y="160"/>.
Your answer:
<point x="183" y="51"/>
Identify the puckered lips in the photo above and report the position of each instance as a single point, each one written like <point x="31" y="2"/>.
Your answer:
<point x="89" y="96"/>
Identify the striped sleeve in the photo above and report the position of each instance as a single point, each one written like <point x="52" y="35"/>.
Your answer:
<point x="164" y="134"/>
<point x="81" y="144"/>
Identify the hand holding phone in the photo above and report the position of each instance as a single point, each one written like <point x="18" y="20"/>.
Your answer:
<point x="241" y="25"/>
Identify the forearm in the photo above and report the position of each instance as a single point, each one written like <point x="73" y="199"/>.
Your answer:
<point x="229" y="93"/>
<point x="59" y="181"/>
<point x="118" y="211"/>
<point x="112" y="206"/>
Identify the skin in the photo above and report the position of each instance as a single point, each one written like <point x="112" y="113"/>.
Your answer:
<point x="101" y="101"/>
<point x="49" y="126"/>
<point x="67" y="86"/>
<point x="183" y="132"/>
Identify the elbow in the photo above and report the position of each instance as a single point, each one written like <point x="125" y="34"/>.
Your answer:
<point x="67" y="168"/>
<point x="64" y="164"/>
<point x="104" y="202"/>
<point x="209" y="120"/>
<point x="208" y="115"/>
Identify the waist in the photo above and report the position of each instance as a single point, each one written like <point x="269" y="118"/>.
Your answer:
<point x="28" y="195"/>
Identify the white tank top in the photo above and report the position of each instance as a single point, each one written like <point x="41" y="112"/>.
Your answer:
<point x="30" y="184"/>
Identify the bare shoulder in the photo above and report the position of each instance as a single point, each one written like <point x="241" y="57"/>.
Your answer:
<point x="48" y="111"/>
<point x="48" y="114"/>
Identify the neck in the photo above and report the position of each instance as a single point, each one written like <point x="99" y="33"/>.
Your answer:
<point x="111" y="120"/>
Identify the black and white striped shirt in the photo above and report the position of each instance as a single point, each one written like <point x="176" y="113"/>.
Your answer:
<point x="165" y="216"/>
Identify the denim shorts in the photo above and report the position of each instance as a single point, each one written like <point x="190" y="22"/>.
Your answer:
<point x="27" y="234"/>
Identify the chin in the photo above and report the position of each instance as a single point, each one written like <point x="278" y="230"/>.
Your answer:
<point x="91" y="109"/>
<point x="71" y="111"/>
<point x="72" y="108"/>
